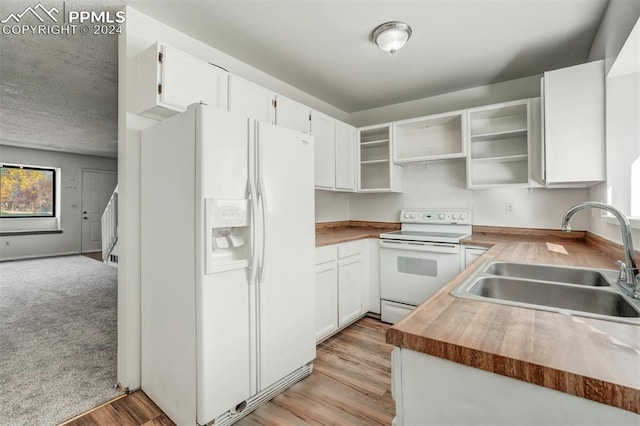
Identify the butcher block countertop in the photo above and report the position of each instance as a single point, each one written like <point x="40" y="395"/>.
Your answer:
<point x="589" y="358"/>
<point x="328" y="233"/>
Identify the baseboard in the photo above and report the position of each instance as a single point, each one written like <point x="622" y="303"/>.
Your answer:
<point x="39" y="256"/>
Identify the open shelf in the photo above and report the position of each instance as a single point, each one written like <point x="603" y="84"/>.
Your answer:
<point x="434" y="137"/>
<point x="374" y="143"/>
<point x="377" y="173"/>
<point x="499" y="135"/>
<point x="499" y="145"/>
<point x="364" y="163"/>
<point x="501" y="159"/>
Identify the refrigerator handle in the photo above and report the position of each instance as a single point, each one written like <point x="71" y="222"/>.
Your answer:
<point x="253" y="195"/>
<point x="263" y="204"/>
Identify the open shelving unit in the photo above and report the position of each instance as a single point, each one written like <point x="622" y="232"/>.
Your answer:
<point x="376" y="171"/>
<point x="499" y="139"/>
<point x="430" y="138"/>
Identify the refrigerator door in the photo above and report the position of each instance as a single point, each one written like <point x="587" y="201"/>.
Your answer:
<point x="286" y="274"/>
<point x="224" y="295"/>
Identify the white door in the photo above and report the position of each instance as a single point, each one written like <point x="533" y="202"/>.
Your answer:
<point x="324" y="135"/>
<point x="96" y="191"/>
<point x="251" y="100"/>
<point x="292" y="115"/>
<point x="326" y="299"/>
<point x="186" y="80"/>
<point x="350" y="281"/>
<point x="286" y="278"/>
<point x="345" y="156"/>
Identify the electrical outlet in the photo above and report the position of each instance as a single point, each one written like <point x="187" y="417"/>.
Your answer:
<point x="509" y="207"/>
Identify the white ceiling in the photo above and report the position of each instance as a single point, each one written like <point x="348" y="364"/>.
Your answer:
<point x="60" y="92"/>
<point x="323" y="47"/>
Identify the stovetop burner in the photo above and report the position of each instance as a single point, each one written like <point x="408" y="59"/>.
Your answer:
<point x="430" y="225"/>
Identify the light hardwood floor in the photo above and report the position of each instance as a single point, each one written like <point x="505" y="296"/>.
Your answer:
<point x="350" y="385"/>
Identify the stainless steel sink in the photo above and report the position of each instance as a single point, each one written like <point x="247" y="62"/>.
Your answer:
<point x="587" y="277"/>
<point x="576" y="291"/>
<point x="552" y="295"/>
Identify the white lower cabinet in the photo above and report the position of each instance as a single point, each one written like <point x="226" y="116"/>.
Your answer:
<point x="326" y="299"/>
<point x="433" y="391"/>
<point x="471" y="253"/>
<point x="342" y="293"/>
<point x="350" y="283"/>
<point x="373" y="289"/>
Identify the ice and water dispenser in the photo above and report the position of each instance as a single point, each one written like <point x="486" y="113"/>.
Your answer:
<point x="227" y="234"/>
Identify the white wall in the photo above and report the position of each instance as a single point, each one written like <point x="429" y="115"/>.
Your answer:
<point x="616" y="24"/>
<point x="331" y="206"/>
<point x="71" y="165"/>
<point x="622" y="123"/>
<point x="522" y="88"/>
<point x="443" y="185"/>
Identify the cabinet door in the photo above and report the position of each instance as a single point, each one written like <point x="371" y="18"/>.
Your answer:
<point x="350" y="281"/>
<point x="471" y="254"/>
<point x="251" y="100"/>
<point x="323" y="130"/>
<point x="326" y="299"/>
<point x="574" y="124"/>
<point x="374" y="275"/>
<point x="186" y="79"/>
<point x="345" y="156"/>
<point x="293" y="115"/>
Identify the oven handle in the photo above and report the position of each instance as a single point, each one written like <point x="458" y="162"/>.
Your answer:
<point x="420" y="246"/>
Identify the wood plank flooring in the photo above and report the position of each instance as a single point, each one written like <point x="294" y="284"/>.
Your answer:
<point x="350" y="385"/>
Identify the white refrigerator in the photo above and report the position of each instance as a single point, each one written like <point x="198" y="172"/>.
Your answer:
<point x="227" y="261"/>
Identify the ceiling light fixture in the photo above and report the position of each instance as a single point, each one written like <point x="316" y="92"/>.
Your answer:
<point x="391" y="36"/>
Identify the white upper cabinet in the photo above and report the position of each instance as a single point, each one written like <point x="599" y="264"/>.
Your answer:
<point x="499" y="139"/>
<point x="324" y="135"/>
<point x="293" y="115"/>
<point x="345" y="156"/>
<point x="377" y="173"/>
<point x="335" y="153"/>
<point x="435" y="137"/>
<point x="573" y="126"/>
<point x="251" y="100"/>
<point x="169" y="80"/>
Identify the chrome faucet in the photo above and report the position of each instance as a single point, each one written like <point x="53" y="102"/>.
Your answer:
<point x="629" y="278"/>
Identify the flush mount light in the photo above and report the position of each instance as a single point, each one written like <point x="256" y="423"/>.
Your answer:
<point x="391" y="36"/>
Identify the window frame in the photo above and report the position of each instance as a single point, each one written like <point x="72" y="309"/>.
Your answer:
<point x="54" y="192"/>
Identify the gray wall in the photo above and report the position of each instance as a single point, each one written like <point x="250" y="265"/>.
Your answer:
<point x="619" y="19"/>
<point x="71" y="165"/>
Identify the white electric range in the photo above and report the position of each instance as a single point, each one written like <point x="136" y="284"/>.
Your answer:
<point x="419" y="259"/>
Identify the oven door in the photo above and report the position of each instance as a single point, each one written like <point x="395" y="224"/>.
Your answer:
<point x="412" y="271"/>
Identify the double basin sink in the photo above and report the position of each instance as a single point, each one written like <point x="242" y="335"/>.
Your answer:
<point x="584" y="292"/>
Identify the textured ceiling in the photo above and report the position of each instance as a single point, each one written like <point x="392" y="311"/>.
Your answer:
<point x="60" y="92"/>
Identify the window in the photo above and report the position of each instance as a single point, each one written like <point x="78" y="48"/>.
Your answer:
<point x="27" y="192"/>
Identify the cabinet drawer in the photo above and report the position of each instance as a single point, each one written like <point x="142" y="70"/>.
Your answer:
<point x="350" y="249"/>
<point x="326" y="254"/>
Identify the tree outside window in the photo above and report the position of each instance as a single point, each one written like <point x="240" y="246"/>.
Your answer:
<point x="26" y="192"/>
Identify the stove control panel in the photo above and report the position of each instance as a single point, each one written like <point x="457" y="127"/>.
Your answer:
<point x="439" y="217"/>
